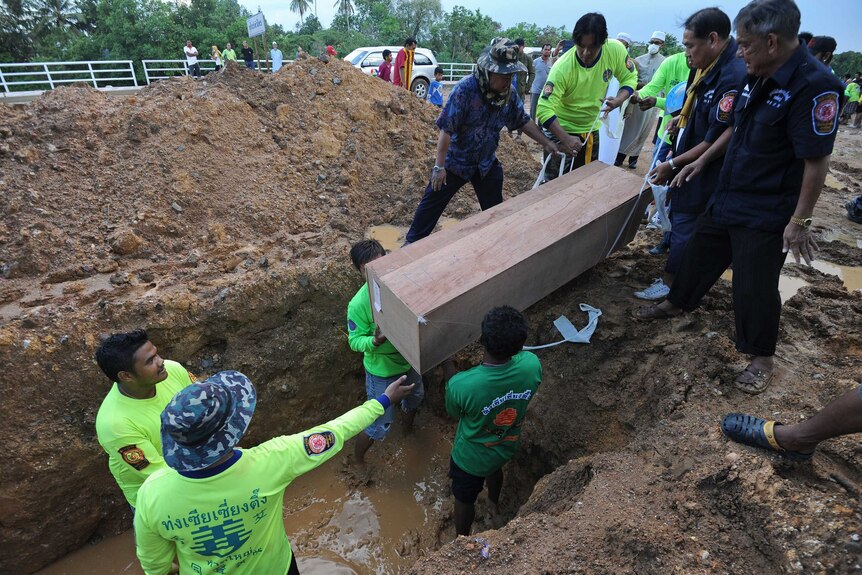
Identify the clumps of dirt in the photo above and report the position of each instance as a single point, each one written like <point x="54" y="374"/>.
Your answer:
<point x="216" y="213"/>
<point x="213" y="164"/>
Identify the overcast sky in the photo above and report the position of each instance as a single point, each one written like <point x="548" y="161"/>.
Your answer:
<point x="840" y="19"/>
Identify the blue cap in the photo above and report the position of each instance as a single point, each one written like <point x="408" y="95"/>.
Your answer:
<point x="206" y="420"/>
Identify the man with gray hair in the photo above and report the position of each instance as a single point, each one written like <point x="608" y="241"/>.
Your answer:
<point x="777" y="154"/>
<point x="639" y="123"/>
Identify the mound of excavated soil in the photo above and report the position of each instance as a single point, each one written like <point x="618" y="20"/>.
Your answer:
<point x="216" y="213"/>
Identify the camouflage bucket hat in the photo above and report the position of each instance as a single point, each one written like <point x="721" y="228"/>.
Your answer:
<point x="501" y="58"/>
<point x="206" y="420"/>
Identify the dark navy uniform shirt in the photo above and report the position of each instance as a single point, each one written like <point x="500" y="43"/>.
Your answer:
<point x="778" y="123"/>
<point x="712" y="114"/>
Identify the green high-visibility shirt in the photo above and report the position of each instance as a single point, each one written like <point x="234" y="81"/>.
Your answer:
<point x="671" y="72"/>
<point x="381" y="360"/>
<point x="573" y="92"/>
<point x="490" y="403"/>
<point x="129" y="430"/>
<point x="852" y="92"/>
<point x="229" y="54"/>
<point x="228" y="519"/>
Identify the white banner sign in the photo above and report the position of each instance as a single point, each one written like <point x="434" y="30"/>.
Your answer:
<point x="256" y="25"/>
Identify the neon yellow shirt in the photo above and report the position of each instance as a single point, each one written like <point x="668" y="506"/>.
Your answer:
<point x="573" y="92"/>
<point x="671" y="72"/>
<point x="129" y="430"/>
<point x="231" y="520"/>
<point x="852" y="92"/>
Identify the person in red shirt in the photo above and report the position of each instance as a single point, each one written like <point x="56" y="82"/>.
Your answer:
<point x="404" y="64"/>
<point x="384" y="72"/>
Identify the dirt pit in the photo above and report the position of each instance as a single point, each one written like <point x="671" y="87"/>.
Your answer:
<point x="622" y="467"/>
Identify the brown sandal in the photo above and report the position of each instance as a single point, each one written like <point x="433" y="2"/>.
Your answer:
<point x="753" y="381"/>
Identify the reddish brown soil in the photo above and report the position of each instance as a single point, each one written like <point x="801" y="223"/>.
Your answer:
<point x="275" y="176"/>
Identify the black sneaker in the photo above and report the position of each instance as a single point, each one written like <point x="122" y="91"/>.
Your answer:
<point x="633" y="163"/>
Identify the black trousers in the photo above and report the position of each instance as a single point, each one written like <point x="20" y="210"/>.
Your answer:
<point x="489" y="192"/>
<point x="757" y="258"/>
<point x="294" y="569"/>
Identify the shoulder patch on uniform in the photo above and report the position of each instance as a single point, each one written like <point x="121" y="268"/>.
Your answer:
<point x="350" y="325"/>
<point x="191" y="376"/>
<point x="824" y="113"/>
<point x="607" y="75"/>
<point x="134" y="456"/>
<point x="319" y="442"/>
<point x="630" y="64"/>
<point x="548" y="90"/>
<point x="725" y="106"/>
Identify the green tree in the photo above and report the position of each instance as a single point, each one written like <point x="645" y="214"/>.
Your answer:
<point x="310" y="26"/>
<point x="417" y="17"/>
<point x="529" y="32"/>
<point x="300" y="7"/>
<point x="847" y="63"/>
<point x="463" y="34"/>
<point x="16" y="43"/>
<point x="345" y="8"/>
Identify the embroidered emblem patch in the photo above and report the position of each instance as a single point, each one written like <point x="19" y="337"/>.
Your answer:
<point x="192" y="377"/>
<point x="778" y="97"/>
<point x="607" y="75"/>
<point x="824" y="114"/>
<point x="318" y="443"/>
<point x="725" y="106"/>
<point x="134" y="456"/>
<point x="548" y="90"/>
<point x="350" y="325"/>
<point x="630" y="64"/>
<point x="506" y="417"/>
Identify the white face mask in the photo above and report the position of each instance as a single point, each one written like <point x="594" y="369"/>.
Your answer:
<point x="653" y="49"/>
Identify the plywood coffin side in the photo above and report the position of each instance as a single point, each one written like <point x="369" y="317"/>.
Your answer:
<point x="450" y="327"/>
<point x="468" y="226"/>
<point x="427" y="283"/>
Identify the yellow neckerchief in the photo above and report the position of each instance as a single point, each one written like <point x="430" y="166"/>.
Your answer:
<point x="689" y="92"/>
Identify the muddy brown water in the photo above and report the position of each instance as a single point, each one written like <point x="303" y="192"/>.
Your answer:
<point x="337" y="524"/>
<point x="788" y="286"/>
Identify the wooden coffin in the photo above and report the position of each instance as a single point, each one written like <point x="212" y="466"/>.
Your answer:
<point x="429" y="298"/>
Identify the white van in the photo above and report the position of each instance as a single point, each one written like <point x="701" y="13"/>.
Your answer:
<point x="369" y="58"/>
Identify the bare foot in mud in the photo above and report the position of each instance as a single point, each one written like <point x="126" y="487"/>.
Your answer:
<point x="357" y="472"/>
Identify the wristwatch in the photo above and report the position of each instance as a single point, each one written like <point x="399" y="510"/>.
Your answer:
<point x="670" y="162"/>
<point x="436" y="169"/>
<point x="801" y="222"/>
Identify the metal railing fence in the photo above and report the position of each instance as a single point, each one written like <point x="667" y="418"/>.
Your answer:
<point x="101" y="74"/>
<point x="22" y="77"/>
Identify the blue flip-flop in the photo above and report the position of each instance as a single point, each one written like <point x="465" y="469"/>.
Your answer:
<point x="758" y="432"/>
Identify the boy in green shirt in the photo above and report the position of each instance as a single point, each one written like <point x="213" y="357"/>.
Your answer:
<point x="128" y="424"/>
<point x="383" y="364"/>
<point x="490" y="402"/>
<point x="576" y="87"/>
<point x="219" y="509"/>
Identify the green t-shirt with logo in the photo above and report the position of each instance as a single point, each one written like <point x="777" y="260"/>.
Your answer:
<point x="229" y="519"/>
<point x="852" y="92"/>
<point x="573" y="92"/>
<point x="129" y="430"/>
<point x="382" y="360"/>
<point x="490" y="403"/>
